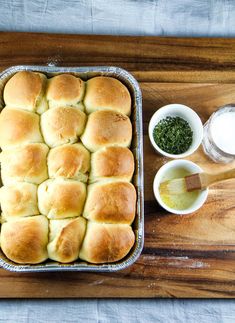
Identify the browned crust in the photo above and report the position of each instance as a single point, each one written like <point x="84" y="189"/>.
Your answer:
<point x="25" y="240"/>
<point x="70" y="240"/>
<point x="68" y="160"/>
<point x="113" y="162"/>
<point x="107" y="93"/>
<point x="62" y="124"/>
<point x="66" y="87"/>
<point x="23" y="90"/>
<point x="106" y="128"/>
<point x="105" y="243"/>
<point x="19" y="199"/>
<point x="28" y="163"/>
<point x="60" y="199"/>
<point x="111" y="202"/>
<point x="17" y="127"/>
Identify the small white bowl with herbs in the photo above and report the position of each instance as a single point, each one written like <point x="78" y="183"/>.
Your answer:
<point x="175" y="131"/>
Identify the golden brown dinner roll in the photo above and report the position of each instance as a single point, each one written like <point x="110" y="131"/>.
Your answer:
<point x="62" y="125"/>
<point x="26" y="90"/>
<point x="69" y="161"/>
<point x="65" y="90"/>
<point x="59" y="198"/>
<point x="66" y="237"/>
<point x="19" y="199"/>
<point x="27" y="163"/>
<point x="24" y="240"/>
<point x="18" y="127"/>
<point x="110" y="202"/>
<point x="107" y="128"/>
<point x="106" y="242"/>
<point x="107" y="93"/>
<point x="112" y="163"/>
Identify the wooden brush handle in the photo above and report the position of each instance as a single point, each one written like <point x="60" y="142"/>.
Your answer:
<point x="209" y="179"/>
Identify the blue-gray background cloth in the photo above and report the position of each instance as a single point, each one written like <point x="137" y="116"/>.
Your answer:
<point x="120" y="17"/>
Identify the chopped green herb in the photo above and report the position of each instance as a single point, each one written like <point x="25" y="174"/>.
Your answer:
<point x="173" y="135"/>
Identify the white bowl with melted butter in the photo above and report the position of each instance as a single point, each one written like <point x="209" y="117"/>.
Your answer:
<point x="184" y="203"/>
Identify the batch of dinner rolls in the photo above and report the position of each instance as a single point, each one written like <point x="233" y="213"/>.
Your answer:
<point x="66" y="169"/>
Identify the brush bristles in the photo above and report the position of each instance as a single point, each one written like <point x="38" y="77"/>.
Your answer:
<point x="173" y="187"/>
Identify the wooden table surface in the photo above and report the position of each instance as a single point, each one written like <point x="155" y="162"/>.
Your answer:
<point x="183" y="256"/>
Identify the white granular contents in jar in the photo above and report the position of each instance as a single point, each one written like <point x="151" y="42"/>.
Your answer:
<point x="223" y="132"/>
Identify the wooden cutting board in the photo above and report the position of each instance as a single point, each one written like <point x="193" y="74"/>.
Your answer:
<point x="183" y="256"/>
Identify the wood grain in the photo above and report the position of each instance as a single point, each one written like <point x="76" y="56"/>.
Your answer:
<point x="183" y="256"/>
<point x="148" y="58"/>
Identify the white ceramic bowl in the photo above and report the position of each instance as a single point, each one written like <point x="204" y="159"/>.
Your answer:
<point x="186" y="113"/>
<point x="192" y="168"/>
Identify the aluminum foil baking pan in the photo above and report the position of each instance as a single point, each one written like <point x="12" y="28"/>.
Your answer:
<point x="138" y="180"/>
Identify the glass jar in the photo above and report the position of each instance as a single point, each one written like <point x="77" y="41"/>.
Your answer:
<point x="219" y="135"/>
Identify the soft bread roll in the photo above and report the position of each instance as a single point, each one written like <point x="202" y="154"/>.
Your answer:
<point x="18" y="127"/>
<point x="116" y="163"/>
<point x="19" y="199"/>
<point x="106" y="242"/>
<point x="62" y="125"/>
<point x="69" y="161"/>
<point x="107" y="128"/>
<point x="24" y="240"/>
<point x="66" y="237"/>
<point x="59" y="199"/>
<point x="25" y="90"/>
<point x="111" y="202"/>
<point x="107" y="93"/>
<point x="27" y="163"/>
<point x="65" y="90"/>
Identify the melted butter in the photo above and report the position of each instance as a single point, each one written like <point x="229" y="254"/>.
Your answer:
<point x="181" y="201"/>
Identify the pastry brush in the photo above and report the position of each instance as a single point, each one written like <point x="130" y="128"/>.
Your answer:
<point x="194" y="182"/>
